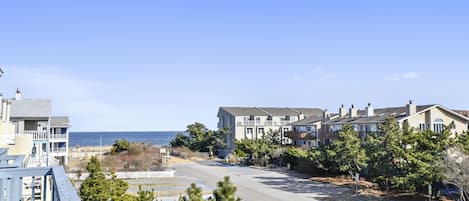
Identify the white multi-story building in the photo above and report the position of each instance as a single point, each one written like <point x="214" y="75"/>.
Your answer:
<point x="32" y="118"/>
<point x="254" y="122"/>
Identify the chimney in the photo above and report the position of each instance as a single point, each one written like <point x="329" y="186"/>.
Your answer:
<point x="353" y="112"/>
<point x="326" y="115"/>
<point x="411" y="109"/>
<point x="18" y="95"/>
<point x="370" y="111"/>
<point x="342" y="111"/>
<point x="301" y="116"/>
<point x="4" y="110"/>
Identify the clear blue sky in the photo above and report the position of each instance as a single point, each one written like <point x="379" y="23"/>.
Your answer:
<point x="160" y="65"/>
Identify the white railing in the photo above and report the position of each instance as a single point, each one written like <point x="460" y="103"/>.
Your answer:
<point x="263" y="123"/>
<point x="58" y="150"/>
<point x="37" y="135"/>
<point x="44" y="135"/>
<point x="41" y="161"/>
<point x="54" y="136"/>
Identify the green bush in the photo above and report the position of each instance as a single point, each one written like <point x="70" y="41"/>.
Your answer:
<point x="120" y="145"/>
<point x="292" y="155"/>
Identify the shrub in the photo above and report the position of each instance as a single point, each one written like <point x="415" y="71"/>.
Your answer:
<point x="293" y="154"/>
<point x="135" y="149"/>
<point x="120" y="145"/>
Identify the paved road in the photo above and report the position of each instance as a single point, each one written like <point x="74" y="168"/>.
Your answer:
<point x="258" y="185"/>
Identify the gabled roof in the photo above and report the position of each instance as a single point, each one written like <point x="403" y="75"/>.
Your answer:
<point x="380" y="114"/>
<point x="308" y="121"/>
<point x="60" y="122"/>
<point x="30" y="108"/>
<point x="272" y="111"/>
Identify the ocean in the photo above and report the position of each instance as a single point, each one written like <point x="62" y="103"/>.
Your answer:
<point x="108" y="138"/>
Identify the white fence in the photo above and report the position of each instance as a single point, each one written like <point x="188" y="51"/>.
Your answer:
<point x="130" y="175"/>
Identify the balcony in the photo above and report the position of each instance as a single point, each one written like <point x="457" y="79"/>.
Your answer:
<point x="21" y="184"/>
<point x="263" y="123"/>
<point x="58" y="150"/>
<point x="38" y="183"/>
<point x="45" y="136"/>
<point x="298" y="135"/>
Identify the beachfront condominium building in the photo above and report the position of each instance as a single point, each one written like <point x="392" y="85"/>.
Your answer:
<point x="305" y="132"/>
<point x="254" y="122"/>
<point x="32" y="118"/>
<point x="366" y="121"/>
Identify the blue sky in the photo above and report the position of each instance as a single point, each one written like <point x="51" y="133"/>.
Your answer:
<point x="160" y="65"/>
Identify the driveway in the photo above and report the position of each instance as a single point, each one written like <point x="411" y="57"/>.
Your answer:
<point x="258" y="184"/>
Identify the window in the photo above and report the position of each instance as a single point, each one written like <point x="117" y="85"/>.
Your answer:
<point x="438" y="125"/>
<point x="258" y="120"/>
<point x="249" y="133"/>
<point x="261" y="131"/>
<point x="422" y="127"/>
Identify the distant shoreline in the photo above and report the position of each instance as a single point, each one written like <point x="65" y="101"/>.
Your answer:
<point x="85" y="139"/>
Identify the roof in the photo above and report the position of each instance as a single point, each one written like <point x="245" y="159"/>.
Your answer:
<point x="307" y="121"/>
<point x="380" y="114"/>
<point x="272" y="111"/>
<point x="463" y="112"/>
<point x="59" y="122"/>
<point x="30" y="108"/>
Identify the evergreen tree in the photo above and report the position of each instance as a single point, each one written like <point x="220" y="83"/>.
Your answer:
<point x="180" y="140"/>
<point x="385" y="154"/>
<point x="194" y="193"/>
<point x="97" y="188"/>
<point x="462" y="140"/>
<point x="225" y="191"/>
<point x="144" y="195"/>
<point x="347" y="152"/>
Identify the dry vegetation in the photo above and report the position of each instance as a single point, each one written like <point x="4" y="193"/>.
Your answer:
<point x="186" y="153"/>
<point x="138" y="157"/>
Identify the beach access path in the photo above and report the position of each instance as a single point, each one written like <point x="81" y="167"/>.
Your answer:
<point x="258" y="184"/>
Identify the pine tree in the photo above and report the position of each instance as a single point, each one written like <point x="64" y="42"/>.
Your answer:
<point x="144" y="195"/>
<point x="225" y="191"/>
<point x="385" y="152"/>
<point x="95" y="187"/>
<point x="347" y="152"/>
<point x="194" y="193"/>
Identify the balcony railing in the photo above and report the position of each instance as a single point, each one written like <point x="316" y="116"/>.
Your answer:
<point x="312" y="135"/>
<point x="44" y="135"/>
<point x="40" y="161"/>
<point x="263" y="123"/>
<point x="23" y="184"/>
<point x="58" y="150"/>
